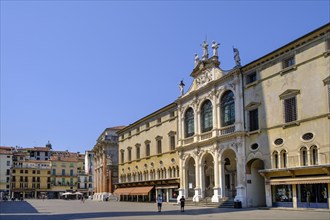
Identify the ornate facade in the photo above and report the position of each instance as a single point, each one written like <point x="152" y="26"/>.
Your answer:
<point x="106" y="163"/>
<point x="211" y="133"/>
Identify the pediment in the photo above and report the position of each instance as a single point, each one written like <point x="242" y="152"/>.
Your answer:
<point x="289" y="93"/>
<point x="326" y="81"/>
<point x="252" y="105"/>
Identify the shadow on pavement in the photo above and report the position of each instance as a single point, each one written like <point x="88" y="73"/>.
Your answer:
<point x="16" y="207"/>
<point x="109" y="215"/>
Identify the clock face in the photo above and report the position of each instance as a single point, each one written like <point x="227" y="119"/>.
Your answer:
<point x="203" y="79"/>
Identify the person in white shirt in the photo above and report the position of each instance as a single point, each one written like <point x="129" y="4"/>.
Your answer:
<point x="159" y="202"/>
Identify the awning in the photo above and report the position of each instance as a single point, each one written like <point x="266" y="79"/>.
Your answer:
<point x="141" y="190"/>
<point x="122" y="191"/>
<point x="307" y="180"/>
<point x="133" y="190"/>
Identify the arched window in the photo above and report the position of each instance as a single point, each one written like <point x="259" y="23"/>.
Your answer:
<point x="283" y="159"/>
<point x="227" y="109"/>
<point x="206" y="116"/>
<point x="275" y="159"/>
<point x="189" y="123"/>
<point x="314" y="155"/>
<point x="303" y="156"/>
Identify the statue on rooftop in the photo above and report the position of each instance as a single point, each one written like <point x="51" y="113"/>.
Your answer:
<point x="236" y="57"/>
<point x="215" y="47"/>
<point x="196" y="59"/>
<point x="205" y="50"/>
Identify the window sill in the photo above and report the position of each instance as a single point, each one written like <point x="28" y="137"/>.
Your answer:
<point x="252" y="84"/>
<point x="288" y="69"/>
<point x="291" y="124"/>
<point x="249" y="133"/>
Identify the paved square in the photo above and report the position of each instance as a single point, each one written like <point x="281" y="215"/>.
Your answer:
<point x="71" y="210"/>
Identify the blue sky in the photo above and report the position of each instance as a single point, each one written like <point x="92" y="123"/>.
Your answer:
<point x="70" y="69"/>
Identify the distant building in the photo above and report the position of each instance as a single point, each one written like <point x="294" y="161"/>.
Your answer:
<point x="106" y="163"/>
<point x="6" y="162"/>
<point x="30" y="178"/>
<point x="65" y="167"/>
<point x="89" y="170"/>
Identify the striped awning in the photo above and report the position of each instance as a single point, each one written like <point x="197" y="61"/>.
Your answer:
<point x="307" y="180"/>
<point x="133" y="190"/>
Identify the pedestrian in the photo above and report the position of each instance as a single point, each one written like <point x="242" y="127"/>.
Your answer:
<point x="182" y="200"/>
<point x="159" y="202"/>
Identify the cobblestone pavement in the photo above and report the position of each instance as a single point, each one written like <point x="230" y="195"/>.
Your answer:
<point x="72" y="210"/>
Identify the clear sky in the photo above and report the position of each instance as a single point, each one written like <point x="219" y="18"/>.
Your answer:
<point x="70" y="69"/>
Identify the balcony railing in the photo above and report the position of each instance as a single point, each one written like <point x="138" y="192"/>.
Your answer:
<point x="206" y="136"/>
<point x="227" y="130"/>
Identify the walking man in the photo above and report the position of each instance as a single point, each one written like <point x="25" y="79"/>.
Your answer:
<point x="159" y="202"/>
<point x="182" y="200"/>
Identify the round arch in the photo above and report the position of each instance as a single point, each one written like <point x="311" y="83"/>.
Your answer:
<point x="255" y="183"/>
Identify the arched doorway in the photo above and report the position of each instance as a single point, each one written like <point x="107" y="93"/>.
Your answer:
<point x="191" y="177"/>
<point x="208" y="177"/>
<point x="255" y="184"/>
<point x="229" y="177"/>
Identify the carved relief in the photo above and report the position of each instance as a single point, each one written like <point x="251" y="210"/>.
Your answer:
<point x="204" y="78"/>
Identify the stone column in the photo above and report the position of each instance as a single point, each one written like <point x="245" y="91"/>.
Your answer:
<point x="238" y="107"/>
<point x="294" y="195"/>
<point x="215" y="110"/>
<point x="180" y="134"/>
<point x="182" y="171"/>
<point x="240" y="176"/>
<point x="198" y="171"/>
<point x="216" y="190"/>
<point x="197" y="125"/>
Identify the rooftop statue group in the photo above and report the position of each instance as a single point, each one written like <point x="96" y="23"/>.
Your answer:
<point x="215" y="47"/>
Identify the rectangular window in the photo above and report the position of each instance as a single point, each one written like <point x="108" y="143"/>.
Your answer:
<point x="329" y="97"/>
<point x="290" y="109"/>
<point x="8" y="163"/>
<point x="63" y="164"/>
<point x="26" y="171"/>
<point x="71" y="172"/>
<point x="172" y="141"/>
<point x="26" y="179"/>
<point x="21" y="171"/>
<point x="38" y="171"/>
<point x="253" y="120"/>
<point x="38" y="179"/>
<point x="63" y="181"/>
<point x="159" y="146"/>
<point x="122" y="156"/>
<point x="252" y="77"/>
<point x="148" y="150"/>
<point x="63" y="172"/>
<point x="8" y="172"/>
<point x="129" y="154"/>
<point x="288" y="62"/>
<point x="38" y="153"/>
<point x="54" y="172"/>
<point x="137" y="152"/>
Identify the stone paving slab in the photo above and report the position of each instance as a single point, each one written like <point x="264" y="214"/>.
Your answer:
<point x="73" y="209"/>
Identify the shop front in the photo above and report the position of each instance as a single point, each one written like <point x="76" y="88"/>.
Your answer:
<point x="309" y="192"/>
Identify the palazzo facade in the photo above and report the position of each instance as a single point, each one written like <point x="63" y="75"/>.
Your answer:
<point x="106" y="163"/>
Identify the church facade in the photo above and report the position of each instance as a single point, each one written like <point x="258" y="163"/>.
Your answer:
<point x="257" y="134"/>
